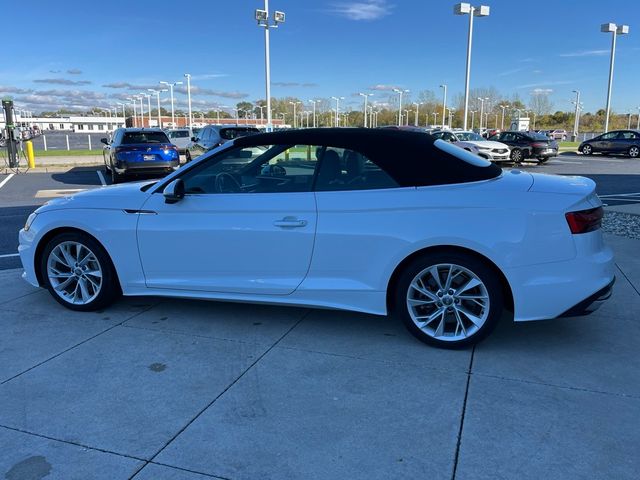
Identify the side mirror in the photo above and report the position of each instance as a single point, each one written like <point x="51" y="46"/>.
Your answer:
<point x="174" y="192"/>
<point x="105" y="141"/>
<point x="194" y="139"/>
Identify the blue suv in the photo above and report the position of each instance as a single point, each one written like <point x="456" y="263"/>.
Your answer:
<point x="139" y="150"/>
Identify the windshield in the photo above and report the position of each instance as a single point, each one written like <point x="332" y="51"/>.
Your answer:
<point x="179" y="134"/>
<point x="538" y="136"/>
<point x="231" y="133"/>
<point x="131" y="138"/>
<point x="469" y="137"/>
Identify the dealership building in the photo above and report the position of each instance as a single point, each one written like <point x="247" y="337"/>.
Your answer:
<point x="88" y="124"/>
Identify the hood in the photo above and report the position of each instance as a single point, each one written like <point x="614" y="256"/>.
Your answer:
<point x="123" y="196"/>
<point x="485" y="144"/>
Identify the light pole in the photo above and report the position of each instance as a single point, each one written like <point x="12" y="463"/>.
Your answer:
<point x="142" y="95"/>
<point x="262" y="17"/>
<point x="337" y="99"/>
<point x="314" y="102"/>
<point x="173" y="116"/>
<point x="399" y="91"/>
<point x="188" y="77"/>
<point x="451" y="111"/>
<point x="503" y="106"/>
<point x="295" y="118"/>
<point x="366" y="96"/>
<point x="473" y="114"/>
<point x="629" y="122"/>
<point x="157" y="93"/>
<point x="482" y="100"/>
<point x="261" y="113"/>
<point x="615" y="30"/>
<point x="435" y="117"/>
<point x="124" y="114"/>
<point x="481" y="11"/>
<point x="444" y="103"/>
<point x="417" y="104"/>
<point x="135" y="116"/>
<point x="638" y="126"/>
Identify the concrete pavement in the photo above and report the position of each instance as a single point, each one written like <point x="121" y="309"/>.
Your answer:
<point x="175" y="389"/>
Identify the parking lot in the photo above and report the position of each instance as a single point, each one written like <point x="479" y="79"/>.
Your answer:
<point x="178" y="389"/>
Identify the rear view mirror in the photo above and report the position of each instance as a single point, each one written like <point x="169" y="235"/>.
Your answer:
<point x="174" y="192"/>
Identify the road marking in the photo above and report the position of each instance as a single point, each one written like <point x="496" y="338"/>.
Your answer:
<point x="9" y="177"/>
<point x="58" y="193"/>
<point x="619" y="195"/>
<point x="8" y="255"/>
<point x="564" y="161"/>
<point x="101" y="177"/>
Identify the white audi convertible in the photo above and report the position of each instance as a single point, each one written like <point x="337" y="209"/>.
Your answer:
<point x="375" y="221"/>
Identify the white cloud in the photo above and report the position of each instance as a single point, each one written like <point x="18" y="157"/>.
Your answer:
<point x="546" y="84"/>
<point x="585" y="53"/>
<point x="383" y="87"/>
<point x="542" y="91"/>
<point x="362" y="10"/>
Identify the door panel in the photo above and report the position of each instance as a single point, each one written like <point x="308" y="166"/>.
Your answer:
<point x="257" y="243"/>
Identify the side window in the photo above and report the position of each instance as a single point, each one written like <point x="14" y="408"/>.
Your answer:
<point x="608" y="136"/>
<point x="507" y="137"/>
<point x="259" y="169"/>
<point x="343" y="169"/>
<point x="438" y="134"/>
<point x="627" y="135"/>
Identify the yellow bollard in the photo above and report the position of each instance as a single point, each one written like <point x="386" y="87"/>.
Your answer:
<point x="31" y="159"/>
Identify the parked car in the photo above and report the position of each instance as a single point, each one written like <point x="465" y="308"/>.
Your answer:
<point x="139" y="150"/>
<point x="557" y="134"/>
<point x="494" y="151"/>
<point x="213" y="136"/>
<point x="526" y="145"/>
<point x="617" y="141"/>
<point x="180" y="137"/>
<point x="371" y="220"/>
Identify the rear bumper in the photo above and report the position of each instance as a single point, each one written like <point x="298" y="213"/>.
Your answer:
<point x="591" y="303"/>
<point x="147" y="167"/>
<point x="543" y="152"/>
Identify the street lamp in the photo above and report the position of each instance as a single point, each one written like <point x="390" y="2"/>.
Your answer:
<point x="444" y="103"/>
<point x="638" y="126"/>
<point x="366" y="96"/>
<point x="435" y="117"/>
<point x="417" y="104"/>
<point x="142" y="94"/>
<point x="135" y="116"/>
<point x="575" y="120"/>
<point x="295" y="118"/>
<point x="171" y="85"/>
<point x="124" y="114"/>
<point x="337" y="99"/>
<point x="615" y="30"/>
<point x="262" y="17"/>
<point x="481" y="11"/>
<point x="503" y="106"/>
<point x="314" y="102"/>
<point x="473" y="114"/>
<point x="188" y="77"/>
<point x="157" y="93"/>
<point x="400" y="92"/>
<point x="482" y="100"/>
<point x="451" y="111"/>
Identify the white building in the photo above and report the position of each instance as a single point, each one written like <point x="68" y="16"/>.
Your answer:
<point x="89" y="124"/>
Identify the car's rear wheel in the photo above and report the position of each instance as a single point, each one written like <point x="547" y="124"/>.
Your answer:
<point x="78" y="272"/>
<point x="115" y="176"/>
<point x="543" y="159"/>
<point x="187" y="156"/>
<point x="587" y="149"/>
<point x="634" y="151"/>
<point x="449" y="299"/>
<point x="516" y="155"/>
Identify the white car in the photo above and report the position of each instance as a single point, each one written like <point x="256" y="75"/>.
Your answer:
<point x="375" y="221"/>
<point x="472" y="142"/>
<point x="181" y="138"/>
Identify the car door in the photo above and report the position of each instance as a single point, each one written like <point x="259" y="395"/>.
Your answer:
<point x="246" y="224"/>
<point x="605" y="142"/>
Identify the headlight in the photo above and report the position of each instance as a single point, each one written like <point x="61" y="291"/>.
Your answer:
<point x="30" y="220"/>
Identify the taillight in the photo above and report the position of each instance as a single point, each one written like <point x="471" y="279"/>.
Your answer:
<point x="539" y="145"/>
<point x="585" y="221"/>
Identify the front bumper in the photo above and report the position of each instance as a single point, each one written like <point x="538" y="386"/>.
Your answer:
<point x="591" y="303"/>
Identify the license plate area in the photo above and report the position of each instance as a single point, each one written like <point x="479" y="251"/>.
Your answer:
<point x="148" y="158"/>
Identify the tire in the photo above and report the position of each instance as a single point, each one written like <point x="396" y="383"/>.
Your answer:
<point x="446" y="311"/>
<point x="115" y="177"/>
<point x="564" y="137"/>
<point x="517" y="156"/>
<point x="187" y="156"/>
<point x="587" y="149"/>
<point x="634" y="151"/>
<point x="90" y="286"/>
<point x="543" y="160"/>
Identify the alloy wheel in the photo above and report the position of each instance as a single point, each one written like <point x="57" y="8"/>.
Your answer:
<point x="74" y="273"/>
<point x="586" y="150"/>
<point x="448" y="302"/>
<point x="634" y="152"/>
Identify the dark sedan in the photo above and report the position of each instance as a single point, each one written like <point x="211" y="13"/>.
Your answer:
<point x="625" y="142"/>
<point x="139" y="150"/>
<point x="528" y="145"/>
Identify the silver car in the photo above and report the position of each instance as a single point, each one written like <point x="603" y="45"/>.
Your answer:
<point x="180" y="137"/>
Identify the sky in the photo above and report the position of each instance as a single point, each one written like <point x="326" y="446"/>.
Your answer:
<point x="77" y="54"/>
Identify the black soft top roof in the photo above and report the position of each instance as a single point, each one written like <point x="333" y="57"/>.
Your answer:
<point x="411" y="158"/>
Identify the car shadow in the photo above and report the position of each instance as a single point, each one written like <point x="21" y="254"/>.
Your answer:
<point x="80" y="176"/>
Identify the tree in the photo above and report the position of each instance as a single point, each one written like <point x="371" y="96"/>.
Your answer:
<point x="540" y="103"/>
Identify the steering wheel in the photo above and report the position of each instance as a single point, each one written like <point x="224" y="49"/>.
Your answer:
<point x="227" y="183"/>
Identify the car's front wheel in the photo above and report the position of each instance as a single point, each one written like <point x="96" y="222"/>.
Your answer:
<point x="78" y="272"/>
<point x="587" y="149"/>
<point x="516" y="155"/>
<point x="449" y="300"/>
<point x="634" y="151"/>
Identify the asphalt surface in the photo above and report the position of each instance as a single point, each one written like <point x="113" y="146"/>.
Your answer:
<point x="617" y="178"/>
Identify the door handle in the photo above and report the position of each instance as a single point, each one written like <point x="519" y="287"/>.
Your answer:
<point x="290" y="222"/>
